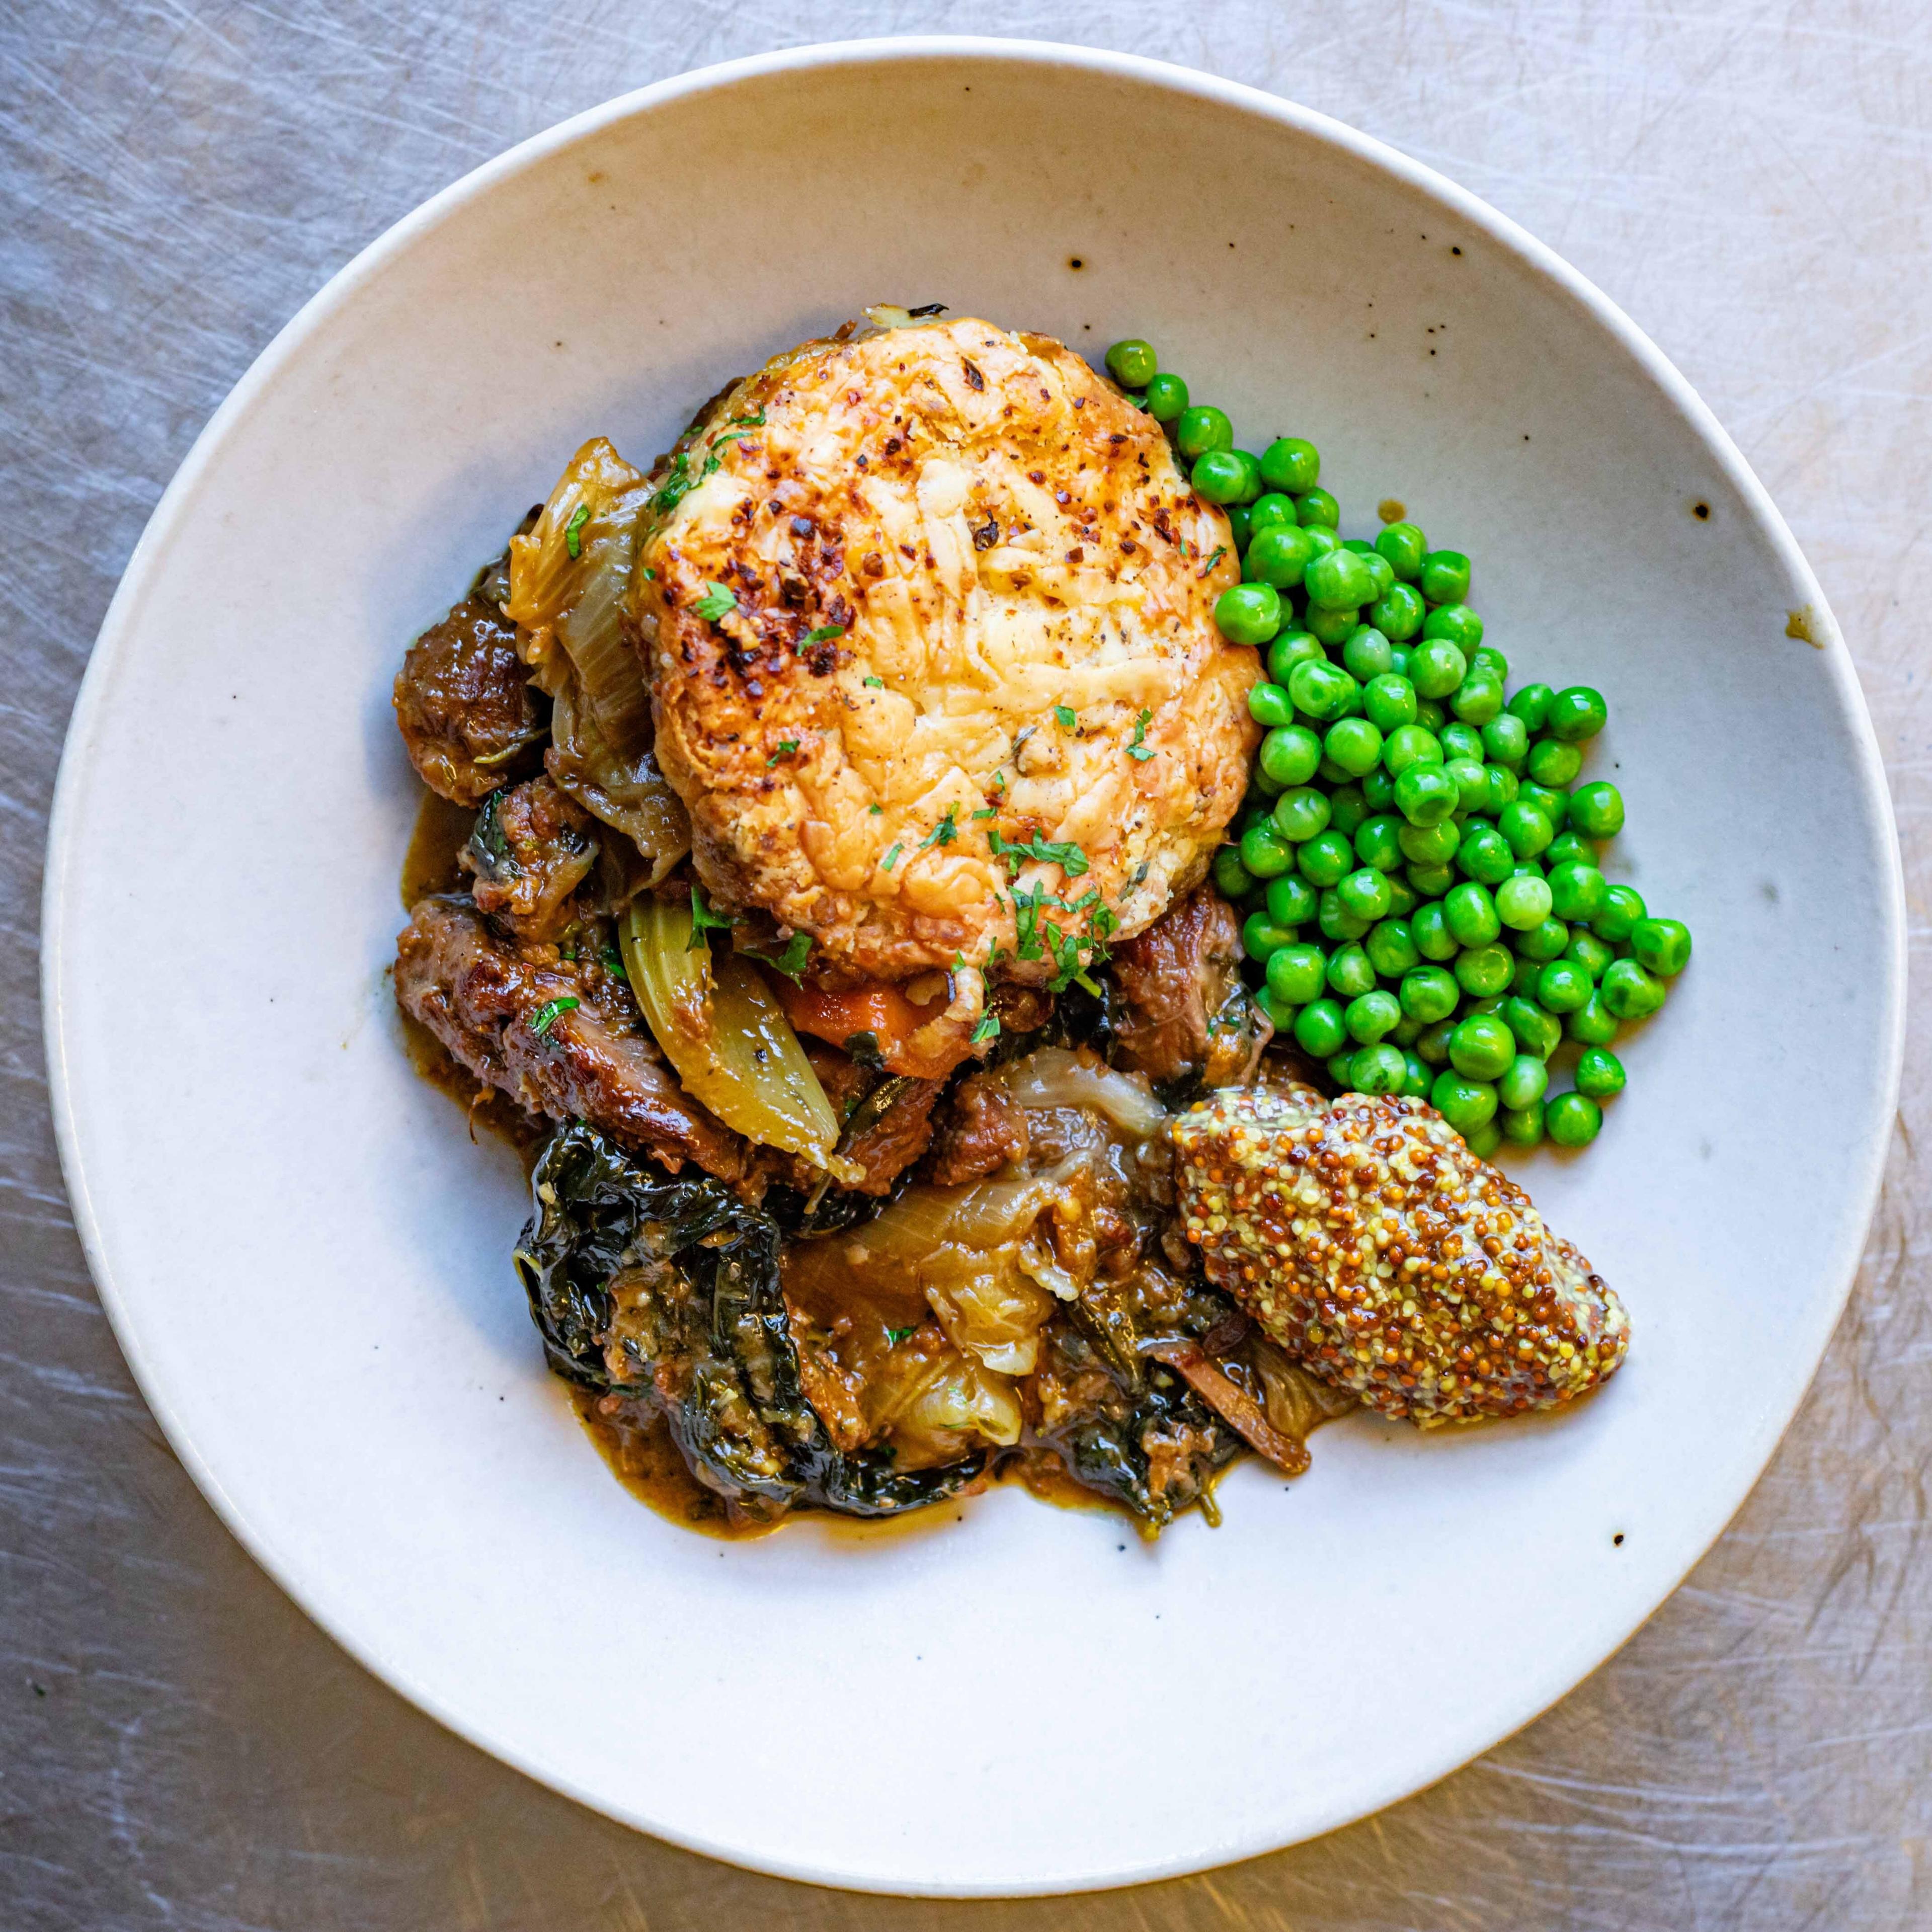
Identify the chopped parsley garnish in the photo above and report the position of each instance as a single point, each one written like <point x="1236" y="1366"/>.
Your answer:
<point x="677" y="485"/>
<point x="1063" y="853"/>
<point x="717" y="602"/>
<point x="611" y="960"/>
<point x="891" y="856"/>
<point x="990" y="811"/>
<point x="988" y="1028"/>
<point x="545" y="1017"/>
<point x="1067" y="717"/>
<point x="824" y="634"/>
<point x="573" y="531"/>
<point x="787" y="749"/>
<point x="943" y="833"/>
<point x="875" y="683"/>
<point x="1221" y="550"/>
<point x="1140" y="749"/>
<point x="877" y="811"/>
<point x="894" y="1336"/>
<point x="703" y="920"/>
<point x="791" y="961"/>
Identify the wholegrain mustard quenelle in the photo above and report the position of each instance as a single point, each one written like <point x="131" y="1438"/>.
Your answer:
<point x="1373" y="1246"/>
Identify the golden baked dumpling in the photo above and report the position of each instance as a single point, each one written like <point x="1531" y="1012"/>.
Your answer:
<point x="928" y="619"/>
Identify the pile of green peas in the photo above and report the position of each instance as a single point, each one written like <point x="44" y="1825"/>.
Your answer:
<point x="1418" y="857"/>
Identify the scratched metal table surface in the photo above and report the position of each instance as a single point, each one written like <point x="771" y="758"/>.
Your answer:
<point x="178" y="1747"/>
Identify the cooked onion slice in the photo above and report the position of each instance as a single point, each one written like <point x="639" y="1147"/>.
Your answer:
<point x="717" y="1021"/>
<point x="1053" y="1077"/>
<point x="1231" y="1402"/>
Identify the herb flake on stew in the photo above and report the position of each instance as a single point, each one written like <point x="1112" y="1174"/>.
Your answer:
<point x="875" y="683"/>
<point x="988" y="1028"/>
<point x="894" y="1336"/>
<point x="1140" y="749"/>
<point x="546" y="1015"/>
<point x="787" y="749"/>
<point x="717" y="602"/>
<point x="791" y="961"/>
<point x="1206" y="569"/>
<point x="943" y="833"/>
<point x="1063" y="853"/>
<point x="893" y="856"/>
<point x="703" y="920"/>
<point x="1067" y="717"/>
<point x="573" y="531"/>
<point x="824" y="634"/>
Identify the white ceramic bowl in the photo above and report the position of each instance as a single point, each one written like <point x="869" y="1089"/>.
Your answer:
<point x="306" y="1258"/>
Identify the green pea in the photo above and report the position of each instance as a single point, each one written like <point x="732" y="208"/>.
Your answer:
<point x="1348" y="972"/>
<point x="1623" y="908"/>
<point x="1461" y="741"/>
<point x="1522" y="904"/>
<point x="1483" y="969"/>
<point x="1239" y="523"/>
<point x="1477" y="699"/>
<point x="1465" y="1103"/>
<point x="1430" y="881"/>
<point x="1233" y="879"/>
<point x="1596" y="810"/>
<point x="1365" y="893"/>
<point x="1200" y="429"/>
<point x="1223" y="476"/>
<point x="1523" y="1082"/>
<point x="1318" y="507"/>
<point x="1388" y="702"/>
<point x="1576" y="891"/>
<point x="1471" y="781"/>
<point x="1289" y="753"/>
<point x="1429" y="714"/>
<point x="1334" y="920"/>
<point x="1398" y="612"/>
<point x="1347" y="809"/>
<point x="1409" y="745"/>
<point x="1299" y="815"/>
<point x="1291" y="465"/>
<point x="1472" y="914"/>
<point x="1457" y="624"/>
<point x="1554" y="764"/>
<point x="1290" y="900"/>
<point x="1269" y="704"/>
<point x="1522" y="976"/>
<point x="1355" y="745"/>
<point x="1481" y="1047"/>
<point x="1331" y="626"/>
<point x="1537" y="1031"/>
<point x="1417" y="1079"/>
<point x="1491" y="662"/>
<point x="1281" y="1015"/>
<point x="1630" y="990"/>
<point x="1318" y="1030"/>
<point x="1503" y="788"/>
<point x="1405" y="548"/>
<point x="1572" y="1120"/>
<point x="1321" y="539"/>
<point x="1563" y="987"/>
<point x="1483" y="1141"/>
<point x="1484" y="853"/>
<point x="1426" y="794"/>
<point x="1264" y="852"/>
<point x="1290" y="648"/>
<point x="1248" y="613"/>
<point x="1167" y="399"/>
<point x="1600" y="1074"/>
<point x="1380" y="574"/>
<point x="1586" y="950"/>
<point x="1402" y="900"/>
<point x="1592" y="1024"/>
<point x="1391" y="948"/>
<point x="1506" y="740"/>
<point x="1576" y="714"/>
<point x="1435" y="844"/>
<point x="1436" y="666"/>
<point x="1568" y="848"/>
<point x="1261" y="938"/>
<point x="1326" y="859"/>
<point x="1662" y="946"/>
<point x="1432" y="1044"/>
<point x="1428" y="994"/>
<point x="1271" y="511"/>
<point x="1524" y="828"/>
<point x="1522" y="1127"/>
<point x="1445" y="577"/>
<point x="1295" y="973"/>
<point x="1428" y="927"/>
<point x="1531" y="704"/>
<point x="1378" y="842"/>
<point x="1366" y="653"/>
<point x="1320" y="689"/>
<point x="1378" y="1069"/>
<point x="1554" y="806"/>
<point x="1131" y="363"/>
<point x="1405" y="1032"/>
<point x="1341" y="1068"/>
<point x="1278" y="556"/>
<point x="1542" y="942"/>
<point x="1369" y="1015"/>
<point x="1379" y="791"/>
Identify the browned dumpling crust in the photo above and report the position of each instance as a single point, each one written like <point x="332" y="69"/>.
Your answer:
<point x="933" y="593"/>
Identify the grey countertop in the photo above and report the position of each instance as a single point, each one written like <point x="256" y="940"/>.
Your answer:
<point x="1752" y="179"/>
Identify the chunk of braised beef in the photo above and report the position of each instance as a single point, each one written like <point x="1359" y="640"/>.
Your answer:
<point x="468" y="713"/>
<point x="982" y="1129"/>
<point x="1186" y="1018"/>
<point x="562" y="1038"/>
<point x="889" y="1129"/>
<point x="531" y="847"/>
